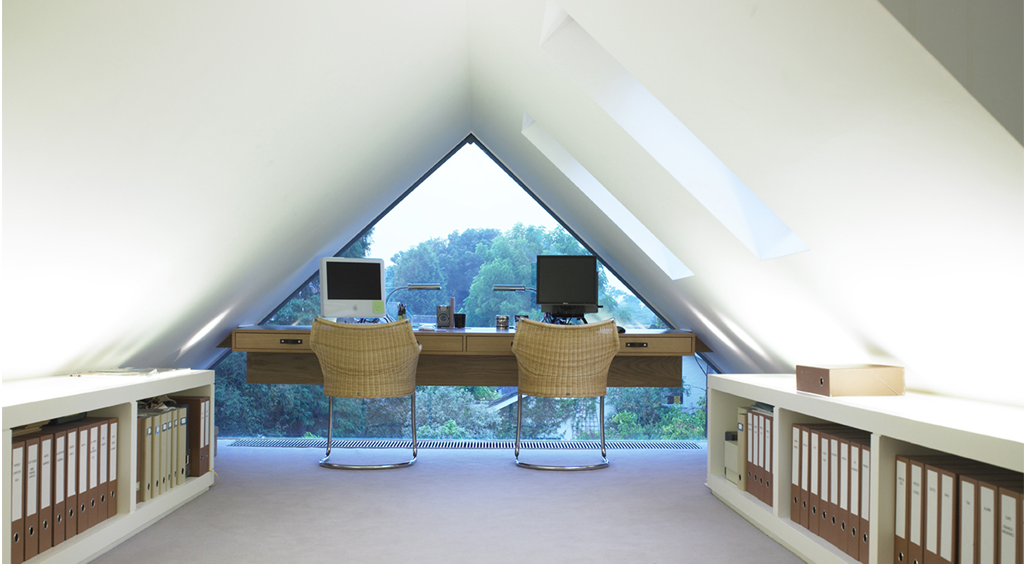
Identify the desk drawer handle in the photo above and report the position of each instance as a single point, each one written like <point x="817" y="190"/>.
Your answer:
<point x="291" y="341"/>
<point x="640" y="345"/>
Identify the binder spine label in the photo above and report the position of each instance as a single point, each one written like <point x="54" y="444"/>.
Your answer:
<point x="986" y="550"/>
<point x="915" y="504"/>
<point x="966" y="522"/>
<point x="854" y="480"/>
<point x="72" y="461"/>
<point x="205" y="425"/>
<point x="45" y="475"/>
<point x="113" y="450"/>
<point x="932" y="520"/>
<point x="796" y="457"/>
<point x="804" y="462"/>
<point x="1008" y="526"/>
<point x="814" y="463"/>
<point x="751" y="436"/>
<point x="824" y="472"/>
<point x="17" y="488"/>
<point x="32" y="480"/>
<point x="844" y="476"/>
<point x="865" y="484"/>
<point x="901" y="496"/>
<point x="833" y="496"/>
<point x="103" y="454"/>
<point x="83" y="464"/>
<point x="94" y="446"/>
<point x="58" y="476"/>
<point x="946" y="530"/>
<point x="759" y="433"/>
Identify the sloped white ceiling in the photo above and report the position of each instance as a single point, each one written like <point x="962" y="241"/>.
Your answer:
<point x="174" y="168"/>
<point x="170" y="165"/>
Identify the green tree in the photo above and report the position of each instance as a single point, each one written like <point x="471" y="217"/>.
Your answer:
<point x="646" y="403"/>
<point x="265" y="410"/>
<point x="641" y="414"/>
<point x="686" y="425"/>
<point x="437" y="405"/>
<point x="460" y="260"/>
<point x="543" y="418"/>
<point x="448" y="430"/>
<point x="509" y="259"/>
<point x="467" y="265"/>
<point x="420" y="264"/>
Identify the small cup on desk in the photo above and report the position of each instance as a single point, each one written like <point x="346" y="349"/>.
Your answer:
<point x="460" y="320"/>
<point x="501" y="321"/>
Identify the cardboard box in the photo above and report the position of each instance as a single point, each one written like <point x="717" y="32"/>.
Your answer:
<point x="854" y="380"/>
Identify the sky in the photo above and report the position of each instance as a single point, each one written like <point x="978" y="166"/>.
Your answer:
<point x="471" y="190"/>
<point x="467" y="191"/>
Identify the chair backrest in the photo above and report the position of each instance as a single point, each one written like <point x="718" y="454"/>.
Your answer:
<point x="558" y="361"/>
<point x="366" y="360"/>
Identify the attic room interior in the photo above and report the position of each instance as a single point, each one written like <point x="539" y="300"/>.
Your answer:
<point x="779" y="183"/>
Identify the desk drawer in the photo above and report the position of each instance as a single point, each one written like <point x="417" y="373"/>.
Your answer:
<point x="496" y="344"/>
<point x="440" y="343"/>
<point x="641" y="345"/>
<point x="272" y="341"/>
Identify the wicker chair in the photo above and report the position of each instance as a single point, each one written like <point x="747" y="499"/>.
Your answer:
<point x="366" y="361"/>
<point x="564" y="361"/>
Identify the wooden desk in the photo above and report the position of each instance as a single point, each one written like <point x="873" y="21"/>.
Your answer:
<point x="462" y="357"/>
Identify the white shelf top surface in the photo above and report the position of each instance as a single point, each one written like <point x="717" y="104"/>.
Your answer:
<point x="17" y="392"/>
<point x="38" y="399"/>
<point x="971" y="416"/>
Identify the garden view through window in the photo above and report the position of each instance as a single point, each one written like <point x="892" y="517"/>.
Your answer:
<point x="493" y="236"/>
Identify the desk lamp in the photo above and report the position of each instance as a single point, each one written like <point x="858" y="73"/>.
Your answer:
<point x="512" y="288"/>
<point x="409" y="287"/>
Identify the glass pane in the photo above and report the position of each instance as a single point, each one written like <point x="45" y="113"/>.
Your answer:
<point x="467" y="227"/>
<point x="459" y="412"/>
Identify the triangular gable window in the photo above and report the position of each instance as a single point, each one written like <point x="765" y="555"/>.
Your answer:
<point x="466" y="225"/>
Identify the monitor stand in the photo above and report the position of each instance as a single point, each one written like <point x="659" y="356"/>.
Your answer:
<point x="562" y="319"/>
<point x="564" y="314"/>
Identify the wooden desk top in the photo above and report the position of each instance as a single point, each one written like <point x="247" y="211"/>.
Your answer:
<point x="475" y="356"/>
<point x="486" y="341"/>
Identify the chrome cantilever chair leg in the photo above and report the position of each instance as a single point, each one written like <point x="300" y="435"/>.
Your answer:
<point x="521" y="464"/>
<point x="335" y="466"/>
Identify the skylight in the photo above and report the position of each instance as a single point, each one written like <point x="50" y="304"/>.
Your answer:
<point x="665" y="138"/>
<point x="605" y="201"/>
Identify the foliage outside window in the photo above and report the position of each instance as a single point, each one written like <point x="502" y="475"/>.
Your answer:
<point x="481" y="258"/>
<point x="467" y="264"/>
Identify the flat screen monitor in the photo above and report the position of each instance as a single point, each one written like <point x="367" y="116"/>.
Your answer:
<point x="567" y="284"/>
<point x="351" y="287"/>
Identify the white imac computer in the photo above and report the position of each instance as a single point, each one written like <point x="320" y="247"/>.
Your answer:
<point x="351" y="287"/>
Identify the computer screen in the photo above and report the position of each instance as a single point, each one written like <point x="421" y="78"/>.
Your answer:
<point x="351" y="287"/>
<point x="567" y="284"/>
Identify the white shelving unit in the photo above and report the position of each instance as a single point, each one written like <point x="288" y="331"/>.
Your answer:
<point x="910" y="424"/>
<point x="41" y="399"/>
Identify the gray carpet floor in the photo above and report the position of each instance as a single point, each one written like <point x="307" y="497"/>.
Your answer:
<point x="276" y="505"/>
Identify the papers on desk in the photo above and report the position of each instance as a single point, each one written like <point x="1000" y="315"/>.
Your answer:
<point x="427" y="327"/>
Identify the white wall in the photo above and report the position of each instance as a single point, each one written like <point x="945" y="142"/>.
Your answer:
<point x="208" y="153"/>
<point x="172" y="166"/>
<point x="906" y="190"/>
